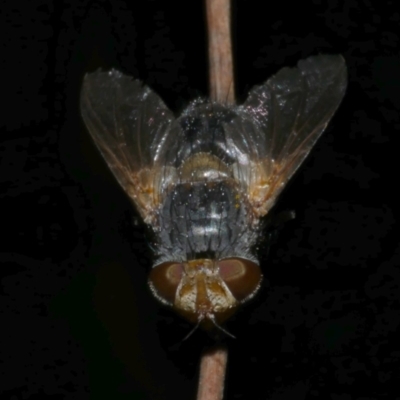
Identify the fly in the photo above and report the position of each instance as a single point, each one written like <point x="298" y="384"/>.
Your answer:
<point x="204" y="180"/>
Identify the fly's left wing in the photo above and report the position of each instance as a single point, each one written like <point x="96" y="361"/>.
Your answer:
<point x="130" y="125"/>
<point x="280" y="122"/>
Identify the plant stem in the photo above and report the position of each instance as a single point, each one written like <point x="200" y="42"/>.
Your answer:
<point x="220" y="51"/>
<point x="213" y="360"/>
<point x="212" y="373"/>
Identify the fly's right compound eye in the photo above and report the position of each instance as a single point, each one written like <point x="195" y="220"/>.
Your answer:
<point x="243" y="277"/>
<point x="164" y="280"/>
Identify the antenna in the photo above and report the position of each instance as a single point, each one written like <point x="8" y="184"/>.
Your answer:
<point x="212" y="319"/>
<point x="193" y="330"/>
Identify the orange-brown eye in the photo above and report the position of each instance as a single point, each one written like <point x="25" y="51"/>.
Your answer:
<point x="242" y="276"/>
<point x="164" y="280"/>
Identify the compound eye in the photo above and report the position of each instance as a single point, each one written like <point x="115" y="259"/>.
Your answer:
<point x="243" y="277"/>
<point x="164" y="279"/>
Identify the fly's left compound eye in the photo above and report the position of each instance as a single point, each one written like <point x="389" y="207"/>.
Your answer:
<point x="164" y="280"/>
<point x="243" y="277"/>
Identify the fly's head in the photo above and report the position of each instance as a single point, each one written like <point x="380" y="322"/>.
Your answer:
<point x="205" y="291"/>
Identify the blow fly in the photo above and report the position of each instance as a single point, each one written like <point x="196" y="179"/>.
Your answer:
<point x="203" y="181"/>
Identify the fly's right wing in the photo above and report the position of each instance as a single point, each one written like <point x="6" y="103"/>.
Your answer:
<point x="279" y="124"/>
<point x="130" y="125"/>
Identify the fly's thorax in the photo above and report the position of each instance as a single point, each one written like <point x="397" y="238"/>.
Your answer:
<point x="205" y="213"/>
<point x="203" y="167"/>
<point x="206" y="291"/>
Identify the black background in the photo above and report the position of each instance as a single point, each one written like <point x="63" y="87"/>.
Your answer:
<point x="78" y="320"/>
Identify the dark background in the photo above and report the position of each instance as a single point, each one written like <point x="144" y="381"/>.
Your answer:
<point x="77" y="318"/>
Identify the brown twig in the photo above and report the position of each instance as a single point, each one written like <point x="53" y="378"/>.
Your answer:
<point x="212" y="373"/>
<point x="213" y="360"/>
<point x="220" y="51"/>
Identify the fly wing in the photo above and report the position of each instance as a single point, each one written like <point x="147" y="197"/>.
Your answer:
<point x="281" y="121"/>
<point x="130" y="125"/>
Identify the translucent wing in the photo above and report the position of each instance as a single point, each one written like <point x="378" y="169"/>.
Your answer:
<point x="281" y="121"/>
<point x="131" y="127"/>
